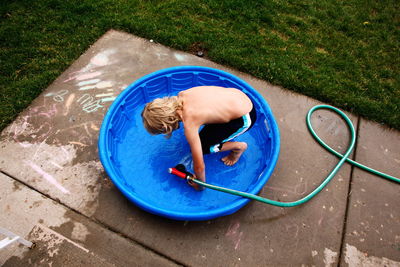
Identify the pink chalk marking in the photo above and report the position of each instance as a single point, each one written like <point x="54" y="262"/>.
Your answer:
<point x="50" y="113"/>
<point x="22" y="127"/>
<point x="47" y="176"/>
<point x="19" y="130"/>
<point x="87" y="76"/>
<point x="238" y="240"/>
<point x="45" y="134"/>
<point x="234" y="234"/>
<point x="233" y="229"/>
<point x="71" y="76"/>
<point x="84" y="76"/>
<point x="69" y="79"/>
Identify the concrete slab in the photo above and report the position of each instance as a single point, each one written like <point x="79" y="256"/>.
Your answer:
<point x="373" y="222"/>
<point x="62" y="237"/>
<point x="52" y="147"/>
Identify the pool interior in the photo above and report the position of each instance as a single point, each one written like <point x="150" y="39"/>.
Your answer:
<point x="141" y="160"/>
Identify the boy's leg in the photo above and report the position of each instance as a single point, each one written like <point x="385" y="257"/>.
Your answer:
<point x="236" y="148"/>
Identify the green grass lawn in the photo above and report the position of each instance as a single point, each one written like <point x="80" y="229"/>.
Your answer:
<point x="345" y="53"/>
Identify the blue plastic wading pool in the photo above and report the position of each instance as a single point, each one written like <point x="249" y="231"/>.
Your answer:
<point x="138" y="162"/>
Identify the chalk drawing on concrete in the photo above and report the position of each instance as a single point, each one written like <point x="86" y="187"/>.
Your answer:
<point x="58" y="96"/>
<point x="88" y="82"/>
<point x="79" y="75"/>
<point x="89" y="104"/>
<point x="94" y="84"/>
<point x="24" y="126"/>
<point x="47" y="177"/>
<point x="90" y="71"/>
<point x="36" y="126"/>
<point x="68" y="103"/>
<point x="88" y="79"/>
<point x="90" y="75"/>
<point x="53" y="170"/>
<point x="234" y="234"/>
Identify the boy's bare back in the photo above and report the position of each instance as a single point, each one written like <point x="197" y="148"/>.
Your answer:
<point x="212" y="104"/>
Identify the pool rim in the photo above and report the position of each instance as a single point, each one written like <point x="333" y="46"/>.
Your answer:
<point x="198" y="216"/>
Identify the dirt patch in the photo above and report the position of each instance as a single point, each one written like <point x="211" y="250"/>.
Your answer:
<point x="199" y="49"/>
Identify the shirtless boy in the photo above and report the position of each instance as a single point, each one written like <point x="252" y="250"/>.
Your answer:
<point x="225" y="112"/>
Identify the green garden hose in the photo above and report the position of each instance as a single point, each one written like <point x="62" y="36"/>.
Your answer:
<point x="343" y="159"/>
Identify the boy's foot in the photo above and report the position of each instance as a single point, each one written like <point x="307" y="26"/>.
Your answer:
<point x="235" y="154"/>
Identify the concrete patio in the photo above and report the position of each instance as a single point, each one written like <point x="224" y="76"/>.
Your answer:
<point x="54" y="191"/>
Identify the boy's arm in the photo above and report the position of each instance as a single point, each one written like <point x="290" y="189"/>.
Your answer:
<point x="193" y="138"/>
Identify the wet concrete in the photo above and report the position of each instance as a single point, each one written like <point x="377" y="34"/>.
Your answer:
<point x="52" y="147"/>
<point x="63" y="237"/>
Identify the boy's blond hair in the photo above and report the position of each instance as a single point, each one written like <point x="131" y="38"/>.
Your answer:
<point x="160" y="117"/>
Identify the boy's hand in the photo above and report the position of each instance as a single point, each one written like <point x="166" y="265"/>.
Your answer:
<point x="194" y="185"/>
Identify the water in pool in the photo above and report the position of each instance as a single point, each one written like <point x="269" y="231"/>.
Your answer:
<point x="144" y="160"/>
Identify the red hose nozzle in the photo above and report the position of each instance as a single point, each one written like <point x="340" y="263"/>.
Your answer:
<point x="177" y="173"/>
